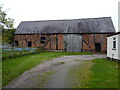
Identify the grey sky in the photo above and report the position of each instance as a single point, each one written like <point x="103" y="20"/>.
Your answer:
<point x="29" y="10"/>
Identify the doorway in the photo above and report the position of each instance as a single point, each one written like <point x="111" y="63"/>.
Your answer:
<point x="29" y="43"/>
<point x="16" y="43"/>
<point x="98" y="47"/>
<point x="73" y="42"/>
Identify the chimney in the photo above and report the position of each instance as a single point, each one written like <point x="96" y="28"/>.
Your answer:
<point x="119" y="16"/>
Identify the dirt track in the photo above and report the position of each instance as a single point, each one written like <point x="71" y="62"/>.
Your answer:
<point x="50" y="74"/>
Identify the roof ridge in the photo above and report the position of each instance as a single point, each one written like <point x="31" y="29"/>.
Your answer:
<point x="66" y="19"/>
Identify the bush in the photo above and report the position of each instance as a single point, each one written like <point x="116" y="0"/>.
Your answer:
<point x="39" y="50"/>
<point x="14" y="53"/>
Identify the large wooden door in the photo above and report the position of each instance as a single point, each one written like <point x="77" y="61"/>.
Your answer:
<point x="73" y="42"/>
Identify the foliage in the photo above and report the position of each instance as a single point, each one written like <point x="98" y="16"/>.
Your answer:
<point x="39" y="49"/>
<point x="6" y="22"/>
<point x="7" y="54"/>
<point x="7" y="36"/>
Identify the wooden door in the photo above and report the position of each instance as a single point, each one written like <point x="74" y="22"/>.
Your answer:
<point x="73" y="42"/>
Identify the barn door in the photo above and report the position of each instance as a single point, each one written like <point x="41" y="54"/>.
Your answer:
<point x="73" y="42"/>
<point x="98" y="47"/>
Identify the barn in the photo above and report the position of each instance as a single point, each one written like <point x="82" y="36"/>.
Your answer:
<point x="76" y="35"/>
<point x="113" y="46"/>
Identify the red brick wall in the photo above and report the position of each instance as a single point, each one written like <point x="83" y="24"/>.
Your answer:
<point x="60" y="41"/>
<point x="91" y="39"/>
<point x="36" y="42"/>
<point x="89" y="46"/>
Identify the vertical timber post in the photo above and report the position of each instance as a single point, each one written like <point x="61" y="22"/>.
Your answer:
<point x="56" y="41"/>
<point x="50" y="42"/>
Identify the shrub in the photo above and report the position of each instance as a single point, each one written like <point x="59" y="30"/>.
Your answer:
<point x="39" y="50"/>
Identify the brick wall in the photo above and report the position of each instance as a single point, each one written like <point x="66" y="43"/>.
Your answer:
<point x="91" y="39"/>
<point x="50" y="41"/>
<point x="56" y="42"/>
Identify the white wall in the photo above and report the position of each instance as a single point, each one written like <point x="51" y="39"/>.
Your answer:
<point x="110" y="50"/>
<point x="119" y="46"/>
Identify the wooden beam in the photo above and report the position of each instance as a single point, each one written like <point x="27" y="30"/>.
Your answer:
<point x="86" y="44"/>
<point x="56" y="41"/>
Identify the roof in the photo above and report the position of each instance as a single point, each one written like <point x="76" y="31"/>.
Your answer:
<point x="89" y="25"/>
<point x="114" y="34"/>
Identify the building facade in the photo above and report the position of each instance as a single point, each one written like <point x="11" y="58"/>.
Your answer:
<point x="78" y="35"/>
<point x="113" y="46"/>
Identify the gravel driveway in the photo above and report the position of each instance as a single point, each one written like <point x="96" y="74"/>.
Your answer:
<point x="57" y="71"/>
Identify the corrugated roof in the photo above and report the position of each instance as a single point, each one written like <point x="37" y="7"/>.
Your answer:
<point x="89" y="25"/>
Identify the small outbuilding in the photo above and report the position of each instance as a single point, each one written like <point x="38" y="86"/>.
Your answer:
<point x="113" y="46"/>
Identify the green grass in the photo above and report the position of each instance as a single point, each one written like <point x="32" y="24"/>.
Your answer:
<point x="0" y="74"/>
<point x="12" y="68"/>
<point x="42" y="79"/>
<point x="104" y="74"/>
<point x="97" y="73"/>
<point x="79" y="74"/>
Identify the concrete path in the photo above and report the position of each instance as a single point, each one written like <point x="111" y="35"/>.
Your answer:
<point x="37" y="78"/>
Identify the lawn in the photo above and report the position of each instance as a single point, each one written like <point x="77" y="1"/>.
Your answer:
<point x="12" y="68"/>
<point x="97" y="73"/>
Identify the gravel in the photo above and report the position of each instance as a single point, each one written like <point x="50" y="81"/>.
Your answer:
<point x="59" y="66"/>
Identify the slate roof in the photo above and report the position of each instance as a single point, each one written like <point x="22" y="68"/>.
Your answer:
<point x="114" y="34"/>
<point x="89" y="25"/>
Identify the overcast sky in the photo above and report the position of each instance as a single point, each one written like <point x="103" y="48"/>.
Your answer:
<point x="30" y="10"/>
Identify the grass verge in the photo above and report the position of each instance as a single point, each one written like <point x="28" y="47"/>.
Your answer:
<point x="12" y="68"/>
<point x="41" y="79"/>
<point x="97" y="73"/>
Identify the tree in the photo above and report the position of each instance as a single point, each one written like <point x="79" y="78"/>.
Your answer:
<point x="4" y="21"/>
<point x="7" y="34"/>
<point x="7" y="37"/>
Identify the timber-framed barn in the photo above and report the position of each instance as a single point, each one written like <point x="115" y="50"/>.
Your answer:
<point x="77" y="35"/>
